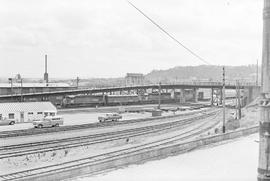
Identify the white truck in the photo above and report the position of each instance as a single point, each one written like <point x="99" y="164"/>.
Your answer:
<point x="49" y="121"/>
<point x="6" y="121"/>
<point x="110" y="117"/>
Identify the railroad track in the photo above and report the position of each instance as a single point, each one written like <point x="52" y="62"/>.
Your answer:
<point x="46" y="146"/>
<point x="35" y="131"/>
<point x="107" y="157"/>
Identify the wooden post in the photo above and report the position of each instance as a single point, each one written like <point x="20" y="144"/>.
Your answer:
<point x="264" y="103"/>
<point x="159" y="95"/>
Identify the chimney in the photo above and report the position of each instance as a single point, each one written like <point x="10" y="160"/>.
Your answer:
<point x="46" y="75"/>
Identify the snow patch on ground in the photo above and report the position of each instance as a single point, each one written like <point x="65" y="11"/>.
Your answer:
<point x="235" y="160"/>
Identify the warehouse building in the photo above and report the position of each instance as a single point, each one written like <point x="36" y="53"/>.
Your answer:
<point x="18" y="88"/>
<point x="134" y="79"/>
<point x="26" y="111"/>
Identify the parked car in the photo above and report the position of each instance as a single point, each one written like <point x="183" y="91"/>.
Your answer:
<point x="6" y="121"/>
<point x="49" y="121"/>
<point x="110" y="117"/>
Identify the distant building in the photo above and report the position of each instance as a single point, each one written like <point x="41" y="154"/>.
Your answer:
<point x="26" y="111"/>
<point x="16" y="88"/>
<point x="134" y="79"/>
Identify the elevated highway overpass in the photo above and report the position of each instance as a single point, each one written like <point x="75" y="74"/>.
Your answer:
<point x="251" y="89"/>
<point x="184" y="85"/>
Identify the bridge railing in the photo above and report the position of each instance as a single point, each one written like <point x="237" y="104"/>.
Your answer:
<point x="210" y="83"/>
<point x="195" y="83"/>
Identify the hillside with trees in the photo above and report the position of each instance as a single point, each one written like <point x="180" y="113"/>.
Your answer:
<point x="204" y="73"/>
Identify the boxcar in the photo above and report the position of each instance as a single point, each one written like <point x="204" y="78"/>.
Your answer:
<point x="84" y="100"/>
<point x="164" y="97"/>
<point x="122" y="99"/>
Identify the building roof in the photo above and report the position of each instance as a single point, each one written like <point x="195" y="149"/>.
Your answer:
<point x="26" y="107"/>
<point x="8" y="85"/>
<point x="134" y="75"/>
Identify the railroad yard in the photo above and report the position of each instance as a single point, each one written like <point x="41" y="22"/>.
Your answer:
<point x="26" y="153"/>
<point x="134" y="90"/>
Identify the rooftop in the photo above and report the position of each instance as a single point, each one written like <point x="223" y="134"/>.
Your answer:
<point x="26" y="107"/>
<point x="8" y="85"/>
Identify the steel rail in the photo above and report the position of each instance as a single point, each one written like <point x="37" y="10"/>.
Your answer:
<point x="40" y="147"/>
<point x="70" y="165"/>
<point x="34" y="131"/>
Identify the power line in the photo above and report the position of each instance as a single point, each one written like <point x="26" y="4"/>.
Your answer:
<point x="167" y="33"/>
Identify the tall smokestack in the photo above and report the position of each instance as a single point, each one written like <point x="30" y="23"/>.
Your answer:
<point x="46" y="64"/>
<point x="264" y="103"/>
<point x="46" y="75"/>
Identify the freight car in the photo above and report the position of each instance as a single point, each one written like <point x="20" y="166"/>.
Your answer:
<point x="122" y="99"/>
<point x="113" y="100"/>
<point x="154" y="98"/>
<point x="56" y="100"/>
<point x="84" y="100"/>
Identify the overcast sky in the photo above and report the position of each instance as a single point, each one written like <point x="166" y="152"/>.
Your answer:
<point x="105" y="38"/>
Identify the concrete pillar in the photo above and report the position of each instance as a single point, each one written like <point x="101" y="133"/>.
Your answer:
<point x="195" y="95"/>
<point x="182" y="96"/>
<point x="173" y="94"/>
<point x="212" y="96"/>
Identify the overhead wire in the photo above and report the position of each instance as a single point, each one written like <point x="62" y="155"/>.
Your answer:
<point x="168" y="34"/>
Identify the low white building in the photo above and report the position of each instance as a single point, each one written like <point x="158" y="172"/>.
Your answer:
<point x="26" y="111"/>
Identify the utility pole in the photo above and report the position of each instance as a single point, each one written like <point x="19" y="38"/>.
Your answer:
<point x="223" y="100"/>
<point x="159" y="94"/>
<point x="21" y="90"/>
<point x="77" y="82"/>
<point x="264" y="129"/>
<point x="257" y="73"/>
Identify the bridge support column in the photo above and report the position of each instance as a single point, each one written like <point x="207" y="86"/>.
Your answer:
<point x="173" y="94"/>
<point x="212" y="96"/>
<point x="195" y="95"/>
<point x="182" y="96"/>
